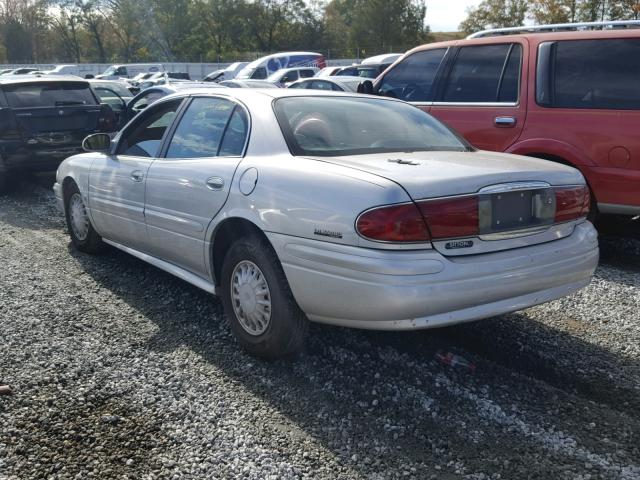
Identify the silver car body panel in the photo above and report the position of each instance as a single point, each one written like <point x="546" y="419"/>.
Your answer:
<point x="307" y="208"/>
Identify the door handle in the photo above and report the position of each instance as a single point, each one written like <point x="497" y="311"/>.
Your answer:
<point x="137" y="176"/>
<point x="505" y="122"/>
<point x="215" y="183"/>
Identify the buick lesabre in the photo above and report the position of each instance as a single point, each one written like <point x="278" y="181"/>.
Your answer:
<point x="297" y="206"/>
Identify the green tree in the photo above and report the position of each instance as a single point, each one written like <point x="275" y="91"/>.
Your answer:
<point x="553" y="11"/>
<point x="495" y="14"/>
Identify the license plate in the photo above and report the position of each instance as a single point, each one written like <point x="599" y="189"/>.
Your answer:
<point x="516" y="210"/>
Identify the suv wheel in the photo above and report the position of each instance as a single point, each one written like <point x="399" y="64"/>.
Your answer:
<point x="263" y="314"/>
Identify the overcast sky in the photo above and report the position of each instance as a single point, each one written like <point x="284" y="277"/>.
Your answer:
<point x="446" y="15"/>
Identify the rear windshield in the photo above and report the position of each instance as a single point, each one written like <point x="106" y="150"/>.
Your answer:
<point x="333" y="126"/>
<point x="41" y="94"/>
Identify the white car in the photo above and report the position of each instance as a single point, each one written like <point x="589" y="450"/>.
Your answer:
<point x="297" y="206"/>
<point x="287" y="76"/>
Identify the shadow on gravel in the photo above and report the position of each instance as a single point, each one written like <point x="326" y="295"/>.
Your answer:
<point x="620" y="243"/>
<point x="331" y="383"/>
<point x="31" y="194"/>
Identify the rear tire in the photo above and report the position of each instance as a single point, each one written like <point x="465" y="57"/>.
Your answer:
<point x="264" y="315"/>
<point x="83" y="235"/>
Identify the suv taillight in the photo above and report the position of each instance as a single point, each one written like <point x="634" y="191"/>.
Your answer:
<point x="107" y="121"/>
<point x="572" y="203"/>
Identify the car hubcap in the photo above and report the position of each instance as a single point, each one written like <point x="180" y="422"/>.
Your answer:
<point x="79" y="217"/>
<point x="251" y="297"/>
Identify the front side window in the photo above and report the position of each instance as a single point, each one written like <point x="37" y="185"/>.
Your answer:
<point x="412" y="79"/>
<point x="145" y="100"/>
<point x="143" y="138"/>
<point x="486" y="73"/>
<point x="43" y="94"/>
<point x="333" y="126"/>
<point x="598" y="74"/>
<point x="202" y="128"/>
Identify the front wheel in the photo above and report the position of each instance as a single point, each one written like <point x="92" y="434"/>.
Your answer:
<point x="83" y="235"/>
<point x="264" y="316"/>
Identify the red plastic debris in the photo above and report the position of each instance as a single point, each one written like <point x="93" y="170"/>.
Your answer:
<point x="455" y="361"/>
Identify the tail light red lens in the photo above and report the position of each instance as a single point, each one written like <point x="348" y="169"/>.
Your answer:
<point x="107" y="119"/>
<point x="395" y="223"/>
<point x="454" y="217"/>
<point x="451" y="217"/>
<point x="572" y="203"/>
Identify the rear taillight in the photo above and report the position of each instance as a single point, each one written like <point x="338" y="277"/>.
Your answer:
<point x="571" y="203"/>
<point x="394" y="223"/>
<point x="459" y="217"/>
<point x="451" y="217"/>
<point x="107" y="119"/>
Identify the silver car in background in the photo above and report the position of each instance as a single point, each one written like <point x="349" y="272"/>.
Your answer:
<point x="296" y="205"/>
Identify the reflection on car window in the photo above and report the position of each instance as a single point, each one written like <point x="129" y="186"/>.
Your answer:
<point x="145" y="136"/>
<point x="597" y="74"/>
<point x="54" y="94"/>
<point x="477" y="71"/>
<point x="332" y="126"/>
<point x="201" y="128"/>
<point x="146" y="100"/>
<point x="412" y="79"/>
<point x="235" y="135"/>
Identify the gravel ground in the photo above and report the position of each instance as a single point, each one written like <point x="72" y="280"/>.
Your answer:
<point x="122" y="371"/>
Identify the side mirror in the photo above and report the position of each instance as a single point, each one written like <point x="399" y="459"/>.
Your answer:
<point x="366" y="87"/>
<point x="98" y="142"/>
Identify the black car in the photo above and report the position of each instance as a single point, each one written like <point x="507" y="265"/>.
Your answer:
<point x="43" y="120"/>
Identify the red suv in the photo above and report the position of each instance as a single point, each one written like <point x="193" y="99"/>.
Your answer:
<point x="568" y="96"/>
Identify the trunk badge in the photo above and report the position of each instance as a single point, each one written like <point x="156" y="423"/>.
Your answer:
<point x="458" y="244"/>
<point x="400" y="161"/>
<point x="60" y="112"/>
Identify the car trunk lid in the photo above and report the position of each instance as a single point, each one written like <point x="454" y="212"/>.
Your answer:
<point x="442" y="174"/>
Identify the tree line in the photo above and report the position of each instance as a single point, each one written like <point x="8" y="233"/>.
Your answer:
<point x="509" y="13"/>
<point x="56" y="31"/>
<point x="109" y="31"/>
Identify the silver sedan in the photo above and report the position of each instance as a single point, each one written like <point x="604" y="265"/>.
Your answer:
<point x="297" y="206"/>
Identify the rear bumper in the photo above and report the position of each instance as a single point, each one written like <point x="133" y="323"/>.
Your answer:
<point x="362" y="288"/>
<point x="40" y="158"/>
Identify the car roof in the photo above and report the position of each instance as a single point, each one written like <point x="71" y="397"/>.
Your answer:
<point x="249" y="94"/>
<point x="12" y="79"/>
<point x="534" y="38"/>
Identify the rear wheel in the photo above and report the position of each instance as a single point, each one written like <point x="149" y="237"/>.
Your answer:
<point x="263" y="314"/>
<point x="83" y="235"/>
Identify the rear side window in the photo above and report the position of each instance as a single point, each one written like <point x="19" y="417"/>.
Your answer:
<point x="487" y="73"/>
<point x="412" y="79"/>
<point x="307" y="73"/>
<point x="597" y="74"/>
<point x="49" y="95"/>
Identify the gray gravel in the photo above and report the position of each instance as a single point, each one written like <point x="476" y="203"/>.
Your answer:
<point x="121" y="371"/>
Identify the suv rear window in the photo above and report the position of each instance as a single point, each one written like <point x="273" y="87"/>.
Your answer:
<point x="597" y="74"/>
<point x="30" y="95"/>
<point x="487" y="73"/>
